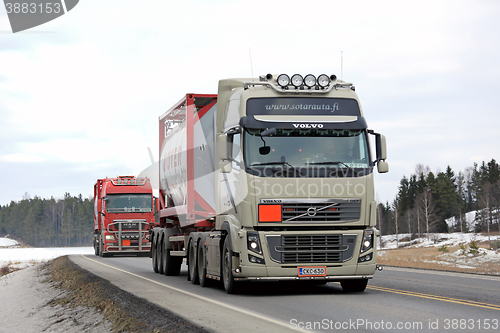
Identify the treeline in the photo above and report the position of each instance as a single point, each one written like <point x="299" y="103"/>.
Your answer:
<point x="425" y="200"/>
<point x="49" y="222"/>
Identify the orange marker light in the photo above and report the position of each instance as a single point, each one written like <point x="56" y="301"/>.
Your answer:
<point x="269" y="213"/>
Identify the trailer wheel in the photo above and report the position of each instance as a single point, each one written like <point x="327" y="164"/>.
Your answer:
<point x="192" y="264"/>
<point x="154" y="255"/>
<point x="171" y="265"/>
<point x="160" y="253"/>
<point x="202" y="265"/>
<point x="354" y="286"/>
<point x="230" y="285"/>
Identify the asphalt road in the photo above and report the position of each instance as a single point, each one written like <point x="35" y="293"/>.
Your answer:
<point x="396" y="300"/>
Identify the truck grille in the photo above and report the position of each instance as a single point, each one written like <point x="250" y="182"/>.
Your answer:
<point x="340" y="211"/>
<point x="288" y="249"/>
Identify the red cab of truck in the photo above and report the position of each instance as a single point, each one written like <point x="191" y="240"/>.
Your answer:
<point x="123" y="215"/>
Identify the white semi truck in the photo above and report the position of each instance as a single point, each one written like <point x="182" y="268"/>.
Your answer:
<point x="271" y="179"/>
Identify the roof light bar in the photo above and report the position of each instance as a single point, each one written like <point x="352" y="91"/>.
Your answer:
<point x="309" y="82"/>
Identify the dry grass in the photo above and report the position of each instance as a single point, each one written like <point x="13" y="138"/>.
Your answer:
<point x="432" y="258"/>
<point x="83" y="290"/>
<point x="126" y="312"/>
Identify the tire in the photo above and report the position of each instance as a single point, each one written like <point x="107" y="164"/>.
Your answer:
<point x="171" y="265"/>
<point x="192" y="264"/>
<point x="354" y="286"/>
<point x="202" y="266"/>
<point x="96" y="247"/>
<point x="154" y="255"/>
<point x="230" y="285"/>
<point x="160" y="253"/>
<point x="101" y="246"/>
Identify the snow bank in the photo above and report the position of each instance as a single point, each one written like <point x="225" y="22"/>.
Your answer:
<point x="23" y="257"/>
<point x="7" y="242"/>
<point x="434" y="240"/>
<point x="461" y="258"/>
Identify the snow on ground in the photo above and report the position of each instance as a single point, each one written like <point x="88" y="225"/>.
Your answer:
<point x="24" y="296"/>
<point x="469" y="219"/>
<point x="16" y="257"/>
<point x="434" y="240"/>
<point x="465" y="257"/>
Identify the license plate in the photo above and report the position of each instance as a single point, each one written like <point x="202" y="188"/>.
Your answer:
<point x="312" y="271"/>
<point x="126" y="242"/>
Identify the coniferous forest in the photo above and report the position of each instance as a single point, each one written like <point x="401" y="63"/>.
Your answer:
<point x="425" y="200"/>
<point x="68" y="221"/>
<point x="423" y="203"/>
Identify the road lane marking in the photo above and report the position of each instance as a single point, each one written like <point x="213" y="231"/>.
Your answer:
<point x="438" y="298"/>
<point x="445" y="273"/>
<point x="243" y="311"/>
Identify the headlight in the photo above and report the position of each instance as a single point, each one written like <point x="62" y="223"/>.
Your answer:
<point x="323" y="80"/>
<point x="297" y="80"/>
<point x="367" y="242"/>
<point x="253" y="242"/>
<point x="310" y="80"/>
<point x="283" y="80"/>
<point x="109" y="237"/>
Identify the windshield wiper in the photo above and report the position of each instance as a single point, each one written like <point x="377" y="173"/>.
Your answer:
<point x="279" y="163"/>
<point x="335" y="163"/>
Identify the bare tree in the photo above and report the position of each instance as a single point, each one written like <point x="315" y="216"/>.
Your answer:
<point x="395" y="206"/>
<point x="427" y="208"/>
<point x="485" y="198"/>
<point x="421" y="169"/>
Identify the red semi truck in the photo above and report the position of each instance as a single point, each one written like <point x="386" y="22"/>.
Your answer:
<point x="123" y="215"/>
<point x="269" y="180"/>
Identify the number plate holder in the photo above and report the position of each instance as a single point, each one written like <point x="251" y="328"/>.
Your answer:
<point x="306" y="271"/>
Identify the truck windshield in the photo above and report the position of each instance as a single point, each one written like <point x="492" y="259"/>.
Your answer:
<point x="302" y="152"/>
<point x="119" y="203"/>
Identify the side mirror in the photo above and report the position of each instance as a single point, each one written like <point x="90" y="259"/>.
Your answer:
<point x="381" y="147"/>
<point x="382" y="166"/>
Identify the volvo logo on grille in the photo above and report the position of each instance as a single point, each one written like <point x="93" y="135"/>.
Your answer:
<point x="311" y="211"/>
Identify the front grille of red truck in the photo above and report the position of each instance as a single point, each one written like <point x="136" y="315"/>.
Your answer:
<point x="301" y="249"/>
<point x="340" y="211"/>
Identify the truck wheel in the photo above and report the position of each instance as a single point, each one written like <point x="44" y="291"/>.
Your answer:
<point x="227" y="268"/>
<point x="160" y="253"/>
<point x="171" y="264"/>
<point x="101" y="246"/>
<point x="192" y="264"/>
<point x="354" y="286"/>
<point x="96" y="247"/>
<point x="154" y="255"/>
<point x="202" y="267"/>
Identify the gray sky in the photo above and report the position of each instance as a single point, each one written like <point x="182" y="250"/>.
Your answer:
<point x="80" y="95"/>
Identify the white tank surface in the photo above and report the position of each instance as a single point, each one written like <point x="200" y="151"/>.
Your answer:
<point x="187" y="156"/>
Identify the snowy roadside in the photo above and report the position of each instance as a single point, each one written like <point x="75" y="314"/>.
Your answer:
<point x="15" y="257"/>
<point x="25" y="306"/>
<point x="56" y="295"/>
<point x="461" y="250"/>
<point x="25" y="296"/>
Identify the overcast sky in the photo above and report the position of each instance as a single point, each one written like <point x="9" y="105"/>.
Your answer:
<point x="80" y="95"/>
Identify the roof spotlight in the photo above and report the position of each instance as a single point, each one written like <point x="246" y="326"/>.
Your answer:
<point x="297" y="80"/>
<point x="323" y="80"/>
<point x="283" y="80"/>
<point x="310" y="80"/>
